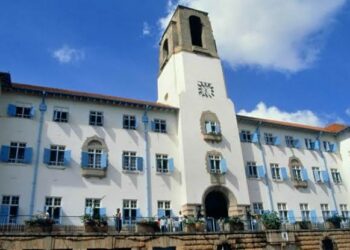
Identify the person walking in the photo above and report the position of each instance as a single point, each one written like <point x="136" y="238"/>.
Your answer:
<point x="118" y="221"/>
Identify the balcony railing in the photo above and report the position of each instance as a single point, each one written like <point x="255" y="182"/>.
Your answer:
<point x="74" y="224"/>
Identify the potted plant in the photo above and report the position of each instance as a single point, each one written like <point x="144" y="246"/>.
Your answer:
<point x="147" y="226"/>
<point x="333" y="222"/>
<point x="271" y="220"/>
<point x="233" y="223"/>
<point x="200" y="225"/>
<point x="304" y="224"/>
<point x="40" y="223"/>
<point x="189" y="224"/>
<point x="95" y="223"/>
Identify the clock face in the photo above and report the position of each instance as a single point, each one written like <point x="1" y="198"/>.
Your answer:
<point x="205" y="89"/>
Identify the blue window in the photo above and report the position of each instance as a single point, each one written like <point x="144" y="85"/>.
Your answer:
<point x="164" y="209"/>
<point x="164" y="164"/>
<point x="57" y="155"/>
<point x="276" y="172"/>
<point x="130" y="211"/>
<point x="212" y="127"/>
<point x="53" y="208"/>
<point x="329" y="147"/>
<point x="17" y="152"/>
<point x="252" y="170"/>
<point x="20" y="111"/>
<point x="271" y="140"/>
<point x="131" y="162"/>
<point x="292" y="142"/>
<point x="159" y="126"/>
<point x="9" y="209"/>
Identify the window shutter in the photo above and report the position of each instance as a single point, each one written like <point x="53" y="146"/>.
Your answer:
<point x="104" y="160"/>
<point x="247" y="171"/>
<point x="333" y="147"/>
<point x="255" y="138"/>
<point x="261" y="171"/>
<point x="140" y="164"/>
<point x="11" y="110"/>
<point x="136" y="122"/>
<point x="317" y="145"/>
<point x="276" y="141"/>
<point x="28" y="152"/>
<point x="217" y="128"/>
<point x="4" y="213"/>
<point x="208" y="127"/>
<point x="88" y="211"/>
<point x="84" y="159"/>
<point x="67" y="156"/>
<point x="297" y="143"/>
<point x="284" y="173"/>
<point x="317" y="176"/>
<point x="32" y="112"/>
<point x="5" y="152"/>
<point x="161" y="213"/>
<point x="291" y="217"/>
<point x="325" y="176"/>
<point x="313" y="216"/>
<point x="171" y="165"/>
<point x="55" y="115"/>
<point x="223" y="166"/>
<point x="103" y="212"/>
<point x="47" y="152"/>
<point x="304" y="174"/>
<point x="241" y="136"/>
<point x="153" y="125"/>
<point x="138" y="214"/>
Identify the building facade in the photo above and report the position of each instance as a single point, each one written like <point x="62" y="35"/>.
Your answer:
<point x="68" y="153"/>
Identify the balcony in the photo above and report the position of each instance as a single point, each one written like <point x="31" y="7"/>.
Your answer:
<point x="212" y="137"/>
<point x="93" y="172"/>
<point x="300" y="183"/>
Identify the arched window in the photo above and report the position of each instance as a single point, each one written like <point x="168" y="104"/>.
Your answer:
<point x="165" y="49"/>
<point x="210" y="127"/>
<point x="216" y="164"/>
<point x="94" y="153"/>
<point x="196" y="30"/>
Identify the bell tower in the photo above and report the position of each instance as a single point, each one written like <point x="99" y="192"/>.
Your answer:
<point x="191" y="78"/>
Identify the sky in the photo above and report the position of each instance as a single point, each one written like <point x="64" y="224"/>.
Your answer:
<point x="282" y="59"/>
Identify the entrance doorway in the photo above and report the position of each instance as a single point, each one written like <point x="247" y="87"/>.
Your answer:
<point x="216" y="205"/>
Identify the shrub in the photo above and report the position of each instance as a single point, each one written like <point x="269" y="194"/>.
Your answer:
<point x="271" y="220"/>
<point x="40" y="219"/>
<point x="87" y="219"/>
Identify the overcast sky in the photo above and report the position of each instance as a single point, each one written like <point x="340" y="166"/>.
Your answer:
<point x="283" y="59"/>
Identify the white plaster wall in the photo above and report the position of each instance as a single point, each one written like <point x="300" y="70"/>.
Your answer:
<point x="191" y="68"/>
<point x="285" y="192"/>
<point x="68" y="183"/>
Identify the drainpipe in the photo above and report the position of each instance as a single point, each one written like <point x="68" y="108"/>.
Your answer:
<point x="326" y="167"/>
<point x="147" y="163"/>
<point x="265" y="167"/>
<point x="42" y="108"/>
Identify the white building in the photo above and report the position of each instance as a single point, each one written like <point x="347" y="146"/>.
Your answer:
<point x="66" y="152"/>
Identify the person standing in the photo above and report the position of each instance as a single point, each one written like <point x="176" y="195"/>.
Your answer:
<point x="118" y="221"/>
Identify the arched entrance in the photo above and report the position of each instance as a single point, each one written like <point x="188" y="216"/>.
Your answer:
<point x="216" y="205"/>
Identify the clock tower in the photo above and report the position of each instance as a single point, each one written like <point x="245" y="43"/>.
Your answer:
<point x="209" y="150"/>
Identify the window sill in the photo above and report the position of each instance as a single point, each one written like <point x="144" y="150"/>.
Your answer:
<point x="163" y="173"/>
<point x="62" y="167"/>
<point x="278" y="180"/>
<point x="254" y="178"/>
<point x="94" y="172"/>
<point x="127" y="171"/>
<point x="19" y="164"/>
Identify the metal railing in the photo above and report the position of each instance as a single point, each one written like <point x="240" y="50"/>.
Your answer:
<point x="74" y="224"/>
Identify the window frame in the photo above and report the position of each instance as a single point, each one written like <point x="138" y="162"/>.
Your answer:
<point x="130" y="207"/>
<point x="162" y="163"/>
<point x="95" y="158"/>
<point x="336" y="176"/>
<point x="283" y="212"/>
<point x="129" y="161"/>
<point x="18" y="150"/>
<point x="94" y="117"/>
<point x="252" y="169"/>
<point x="59" y="151"/>
<point x="58" y="113"/>
<point x="326" y="213"/>
<point x="269" y="138"/>
<point x="52" y="208"/>
<point x="166" y="206"/>
<point x="276" y="172"/>
<point x="304" y="211"/>
<point x="13" y="204"/>
<point x="258" y="207"/>
<point x="129" y="122"/>
<point x="214" y="163"/>
<point x="246" y="136"/>
<point x="160" y="126"/>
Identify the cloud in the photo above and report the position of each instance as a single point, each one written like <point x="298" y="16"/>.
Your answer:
<point x="271" y="34"/>
<point x="300" y="116"/>
<point x="66" y="54"/>
<point x="146" y="30"/>
<point x="347" y="111"/>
